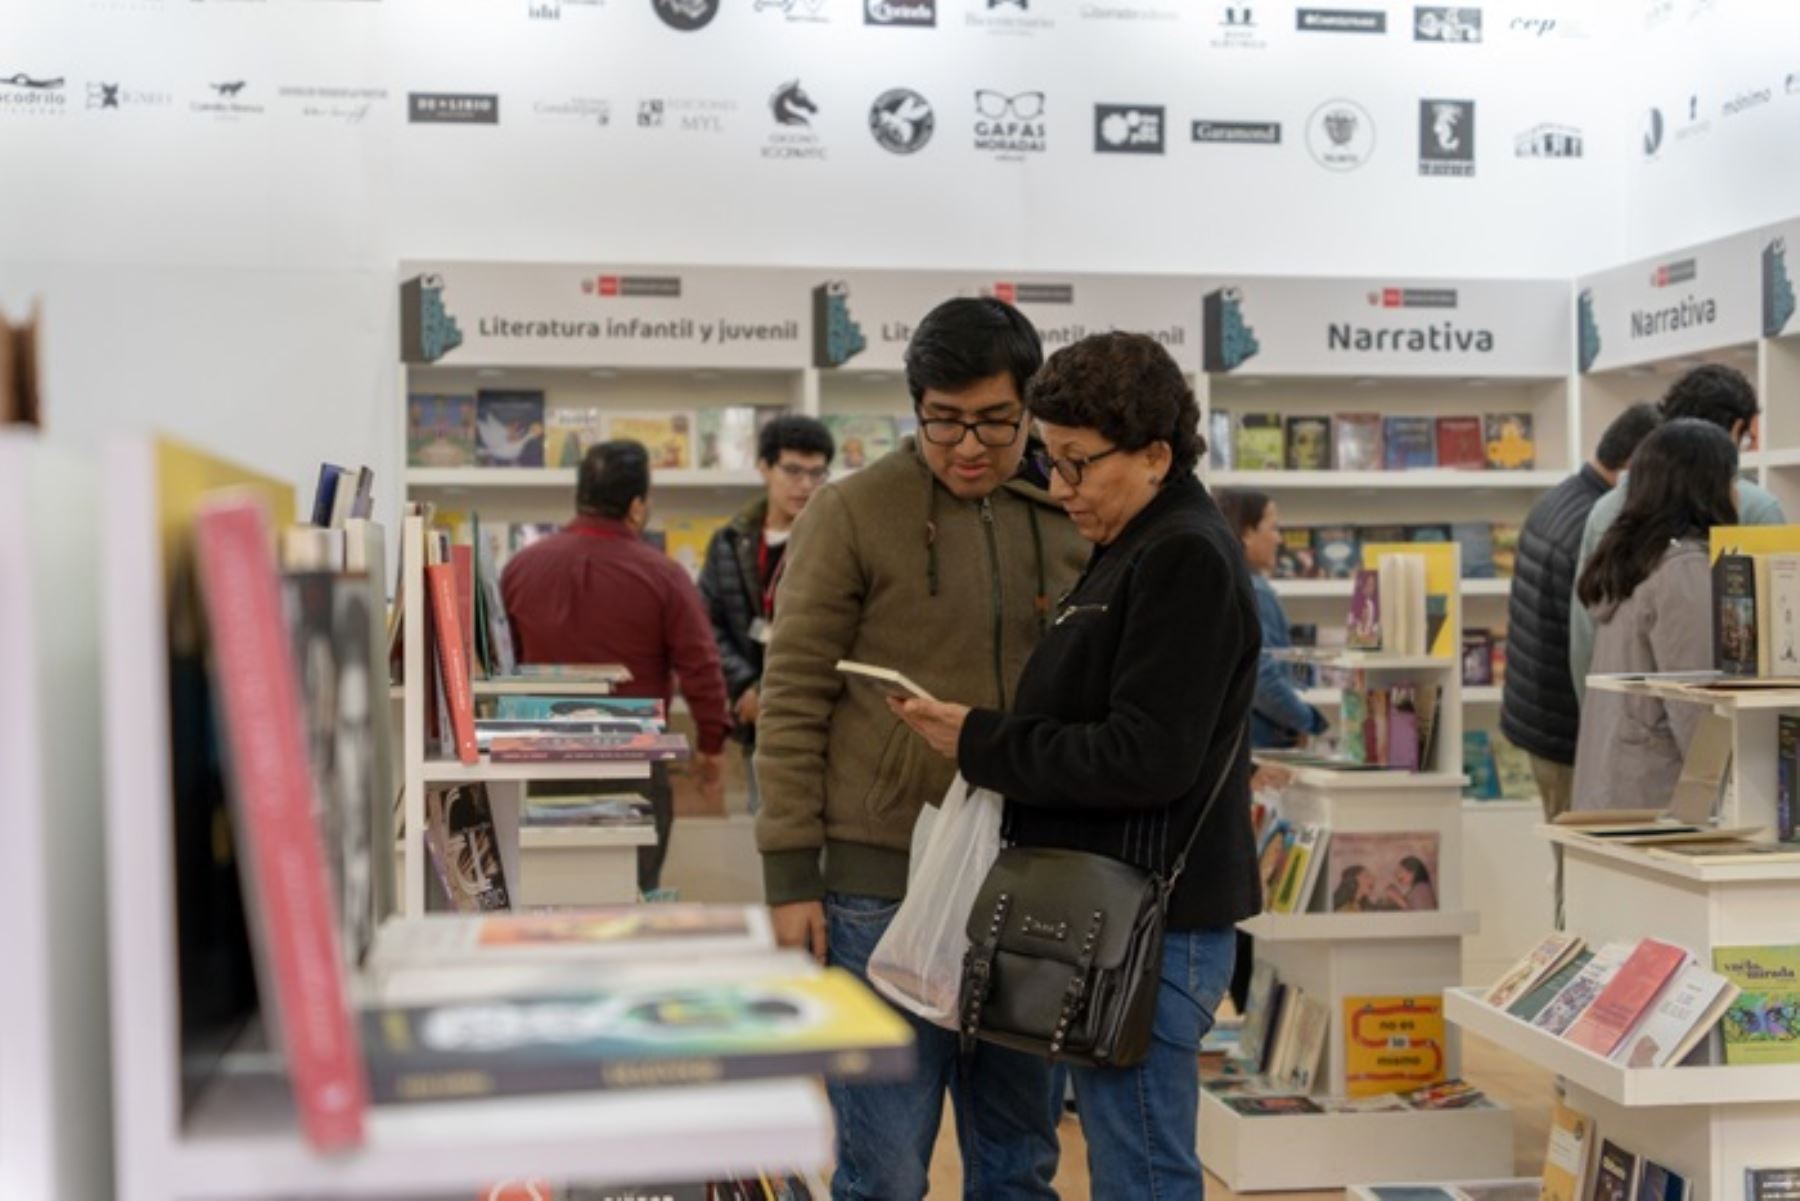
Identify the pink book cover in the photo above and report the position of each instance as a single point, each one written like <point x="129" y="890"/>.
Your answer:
<point x="272" y="793"/>
<point x="1364" y="631"/>
<point x="1628" y="997"/>
<point x="1403" y="729"/>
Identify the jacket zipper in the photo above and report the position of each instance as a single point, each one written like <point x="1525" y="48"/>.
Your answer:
<point x="998" y="599"/>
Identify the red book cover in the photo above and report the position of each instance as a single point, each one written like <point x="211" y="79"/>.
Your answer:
<point x="1605" y="1023"/>
<point x="1460" y="443"/>
<point x="597" y="748"/>
<point x="272" y="793"/>
<point x="453" y="658"/>
<point x="462" y="558"/>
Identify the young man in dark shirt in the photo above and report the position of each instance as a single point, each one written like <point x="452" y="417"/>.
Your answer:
<point x="596" y="592"/>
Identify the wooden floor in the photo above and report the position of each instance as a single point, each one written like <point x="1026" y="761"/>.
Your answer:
<point x="1510" y="1081"/>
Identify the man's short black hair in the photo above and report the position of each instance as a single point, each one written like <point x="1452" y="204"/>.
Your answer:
<point x="1712" y="392"/>
<point x="791" y="431"/>
<point x="1623" y="435"/>
<point x="613" y="474"/>
<point x="966" y="340"/>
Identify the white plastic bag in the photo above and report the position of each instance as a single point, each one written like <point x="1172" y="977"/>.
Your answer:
<point x="918" y="963"/>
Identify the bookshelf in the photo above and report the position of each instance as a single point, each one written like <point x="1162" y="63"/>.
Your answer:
<point x="55" y="1102"/>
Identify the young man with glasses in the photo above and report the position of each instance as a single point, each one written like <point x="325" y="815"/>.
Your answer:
<point x="942" y="561"/>
<point x="744" y="560"/>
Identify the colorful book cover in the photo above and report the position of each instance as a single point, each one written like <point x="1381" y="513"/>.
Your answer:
<point x="1763" y="1023"/>
<point x="1509" y="442"/>
<point x="1272" y="1107"/>
<point x="1478" y="766"/>
<point x="668" y="437"/>
<point x="1566" y="1159"/>
<point x="1477" y="658"/>
<point x="687" y="540"/>
<point x="1506" y="549"/>
<point x="509" y="428"/>
<point x="728" y="438"/>
<point x="1734" y="610"/>
<point x="440" y="431"/>
<point x="1787" y="777"/>
<point x="597" y="748"/>
<point x="1691" y="1005"/>
<point x="1403" y="744"/>
<point x="1393" y="1044"/>
<point x="609" y="933"/>
<point x="1386" y="872"/>
<point x="1300" y="869"/>
<point x="1657" y="1183"/>
<point x="1363" y="626"/>
<point x="1296" y="558"/>
<point x="1451" y="1094"/>
<point x="1549" y="954"/>
<point x="465" y="849"/>
<point x="1259" y="442"/>
<point x="1627" y="996"/>
<point x="1272" y="858"/>
<point x="1573" y="1001"/>
<point x="1337" y="551"/>
<point x="1459" y="444"/>
<point x="1527" y="1007"/>
<point x="1434" y="532"/>
<point x="550" y="708"/>
<point x="1309" y="443"/>
<point x="1356" y="442"/>
<point x="1616" y="1176"/>
<point x="1476" y="538"/>
<point x="861" y="439"/>
<point x="1409" y="443"/>
<point x="648" y="1036"/>
<point x="575" y="673"/>
<point x="568" y="435"/>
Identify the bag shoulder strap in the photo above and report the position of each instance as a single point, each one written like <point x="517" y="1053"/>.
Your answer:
<point x="1237" y="745"/>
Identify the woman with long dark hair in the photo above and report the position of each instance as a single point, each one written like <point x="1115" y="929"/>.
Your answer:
<point x="1649" y="588"/>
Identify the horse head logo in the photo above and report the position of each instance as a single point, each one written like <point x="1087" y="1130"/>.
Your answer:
<point x="791" y="105"/>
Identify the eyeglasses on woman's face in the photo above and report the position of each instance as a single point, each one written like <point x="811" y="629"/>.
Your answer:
<point x="950" y="431"/>
<point x="1072" y="468"/>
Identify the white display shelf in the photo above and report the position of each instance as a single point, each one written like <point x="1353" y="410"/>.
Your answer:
<point x="573" y="838"/>
<point x="1759" y="1084"/>
<point x="1326" y="780"/>
<point x="1425" y="478"/>
<point x="1473" y="694"/>
<point x="242" y="1141"/>
<point x="1354" y="927"/>
<point x="1367" y="1192"/>
<point x="475" y="478"/>
<point x="1722" y="701"/>
<point x="1336" y="1150"/>
<point x="1504" y="805"/>
<point x="1785" y="457"/>
<point x="441" y="771"/>
<point x="1308" y="589"/>
<point x="1364" y="660"/>
<point x="1701" y="871"/>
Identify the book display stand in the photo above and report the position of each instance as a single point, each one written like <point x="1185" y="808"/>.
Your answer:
<point x="1330" y="956"/>
<point x="1707" y="1120"/>
<point x="55" y="1136"/>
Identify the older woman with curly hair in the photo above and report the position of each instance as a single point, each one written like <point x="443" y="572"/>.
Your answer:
<point x="1128" y="713"/>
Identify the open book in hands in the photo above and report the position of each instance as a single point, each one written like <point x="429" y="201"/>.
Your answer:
<point x="889" y="681"/>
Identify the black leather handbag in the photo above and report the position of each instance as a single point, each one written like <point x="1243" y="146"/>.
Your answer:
<point x="1065" y="951"/>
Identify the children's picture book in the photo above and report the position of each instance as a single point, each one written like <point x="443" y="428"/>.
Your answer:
<point x="1356" y="442"/>
<point x="509" y="428"/>
<point x="1409" y="443"/>
<point x="649" y="1035"/>
<point x="728" y="438"/>
<point x="1337" y="550"/>
<point x="1309" y="443"/>
<point x="440" y="431"/>
<point x="1762" y="1025"/>
<point x="1510" y="446"/>
<point x="1459" y="444"/>
<point x="861" y="439"/>
<point x="668" y="437"/>
<point x="1387" y="872"/>
<point x="1259" y="442"/>
<point x="686" y="540"/>
<point x="1393" y="1044"/>
<point x="569" y="434"/>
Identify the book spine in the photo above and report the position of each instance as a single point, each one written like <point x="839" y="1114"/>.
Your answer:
<point x="453" y="656"/>
<point x="273" y="794"/>
<point x="500" y="751"/>
<point x="462" y="558"/>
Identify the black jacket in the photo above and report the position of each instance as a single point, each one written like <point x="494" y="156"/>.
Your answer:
<point x="734" y="600"/>
<point x="1538" y="709"/>
<point x="1127" y="711"/>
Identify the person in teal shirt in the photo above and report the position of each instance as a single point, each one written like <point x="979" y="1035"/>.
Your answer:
<point x="1711" y="392"/>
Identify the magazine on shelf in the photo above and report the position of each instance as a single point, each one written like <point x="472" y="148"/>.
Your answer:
<point x="1683" y="1014"/>
<point x="1627" y="997"/>
<point x="1759" y="1023"/>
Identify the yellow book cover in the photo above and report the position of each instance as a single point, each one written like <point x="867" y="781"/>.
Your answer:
<point x="568" y="434"/>
<point x="1443" y="606"/>
<point x="686" y="540"/>
<point x="1566" y="1160"/>
<point x="669" y="437"/>
<point x="1392" y="1044"/>
<point x="1754" y="539"/>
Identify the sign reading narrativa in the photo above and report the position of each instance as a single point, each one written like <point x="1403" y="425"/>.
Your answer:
<point x="1684" y="302"/>
<point x="557" y="315"/>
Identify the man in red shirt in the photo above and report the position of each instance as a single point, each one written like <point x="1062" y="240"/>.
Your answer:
<point x="596" y="592"/>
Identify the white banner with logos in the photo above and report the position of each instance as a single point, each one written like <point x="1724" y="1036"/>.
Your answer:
<point x="548" y="315"/>
<point x="1387" y="327"/>
<point x="1702" y="298"/>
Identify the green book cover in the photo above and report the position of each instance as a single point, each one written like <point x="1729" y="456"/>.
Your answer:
<point x="1763" y="1024"/>
<point x="1260" y="442"/>
<point x="1532" y="1003"/>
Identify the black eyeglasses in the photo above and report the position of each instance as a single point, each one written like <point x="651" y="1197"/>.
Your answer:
<point x="796" y="473"/>
<point x="1070" y="469"/>
<point x="948" y="431"/>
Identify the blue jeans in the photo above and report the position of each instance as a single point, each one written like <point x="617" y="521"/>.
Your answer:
<point x="1005" y="1114"/>
<point x="1141" y="1123"/>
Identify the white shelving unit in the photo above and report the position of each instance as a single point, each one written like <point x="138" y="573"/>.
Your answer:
<point x="1331" y="956"/>
<point x="55" y="1127"/>
<point x="1707" y="1122"/>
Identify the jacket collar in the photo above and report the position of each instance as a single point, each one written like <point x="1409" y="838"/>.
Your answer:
<point x="604" y="527"/>
<point x="1594" y="480"/>
<point x="1024" y="483"/>
<point x="1171" y="496"/>
<point x="751" y="518"/>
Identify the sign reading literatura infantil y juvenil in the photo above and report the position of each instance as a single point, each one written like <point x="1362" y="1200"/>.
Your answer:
<point x="1386" y="327"/>
<point x="549" y="315"/>
<point x="1684" y="302"/>
<point x="864" y="319"/>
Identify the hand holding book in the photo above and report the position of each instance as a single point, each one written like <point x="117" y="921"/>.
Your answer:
<point x="937" y="722"/>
